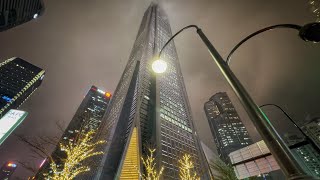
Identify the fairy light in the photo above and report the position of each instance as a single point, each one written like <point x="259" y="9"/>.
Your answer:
<point x="150" y="167"/>
<point x="315" y="8"/>
<point x="76" y="153"/>
<point x="186" y="168"/>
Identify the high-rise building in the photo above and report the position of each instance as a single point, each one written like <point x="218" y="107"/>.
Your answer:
<point x="88" y="116"/>
<point x="16" y="12"/>
<point x="18" y="80"/>
<point x="149" y="110"/>
<point x="228" y="131"/>
<point x="7" y="170"/>
<point x="312" y="129"/>
<point x="307" y="156"/>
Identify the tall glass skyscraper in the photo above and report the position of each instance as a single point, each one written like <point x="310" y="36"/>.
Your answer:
<point x="149" y="110"/>
<point x="228" y="131"/>
<point x="18" y="80"/>
<point x="16" y="12"/>
<point x="88" y="117"/>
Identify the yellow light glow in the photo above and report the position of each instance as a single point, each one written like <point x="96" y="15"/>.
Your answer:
<point x="159" y="66"/>
<point x="130" y="168"/>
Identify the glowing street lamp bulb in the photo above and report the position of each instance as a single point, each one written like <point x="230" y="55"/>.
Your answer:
<point x="35" y="16"/>
<point x="159" y="66"/>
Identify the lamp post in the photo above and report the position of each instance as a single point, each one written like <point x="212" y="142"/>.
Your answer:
<point x="278" y="148"/>
<point x="310" y="141"/>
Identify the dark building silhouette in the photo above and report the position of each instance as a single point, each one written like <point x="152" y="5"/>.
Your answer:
<point x="16" y="12"/>
<point x="149" y="110"/>
<point x="18" y="80"/>
<point x="88" y="117"/>
<point x="7" y="170"/>
<point x="228" y="131"/>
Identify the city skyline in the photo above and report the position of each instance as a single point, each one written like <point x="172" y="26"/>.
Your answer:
<point x="57" y="45"/>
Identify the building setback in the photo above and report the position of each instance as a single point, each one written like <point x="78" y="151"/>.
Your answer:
<point x="228" y="131"/>
<point x="149" y="110"/>
<point x="16" y="12"/>
<point x="255" y="160"/>
<point x="88" y="117"/>
<point x="18" y="80"/>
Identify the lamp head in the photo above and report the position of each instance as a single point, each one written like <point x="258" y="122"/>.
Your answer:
<point x="310" y="32"/>
<point x="159" y="66"/>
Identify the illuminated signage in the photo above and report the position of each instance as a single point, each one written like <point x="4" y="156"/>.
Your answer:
<point x="9" y="122"/>
<point x="11" y="165"/>
<point x="100" y="91"/>
<point x="6" y="98"/>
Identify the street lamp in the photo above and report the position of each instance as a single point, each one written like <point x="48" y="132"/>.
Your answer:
<point x="278" y="148"/>
<point x="308" y="139"/>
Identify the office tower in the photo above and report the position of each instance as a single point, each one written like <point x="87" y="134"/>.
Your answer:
<point x="306" y="155"/>
<point x="16" y="12"/>
<point x="256" y="161"/>
<point x="228" y="131"/>
<point x="211" y="157"/>
<point x="88" y="117"/>
<point x="7" y="170"/>
<point x="149" y="110"/>
<point x="312" y="129"/>
<point x="18" y="80"/>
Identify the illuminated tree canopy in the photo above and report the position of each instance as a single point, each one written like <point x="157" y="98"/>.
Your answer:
<point x="186" y="167"/>
<point x="149" y="164"/>
<point x="76" y="152"/>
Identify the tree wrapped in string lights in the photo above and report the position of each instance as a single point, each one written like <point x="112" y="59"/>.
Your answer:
<point x="76" y="152"/>
<point x="149" y="165"/>
<point x="186" y="168"/>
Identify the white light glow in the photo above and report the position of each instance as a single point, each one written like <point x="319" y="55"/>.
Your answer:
<point x="35" y="16"/>
<point x="100" y="91"/>
<point x="159" y="66"/>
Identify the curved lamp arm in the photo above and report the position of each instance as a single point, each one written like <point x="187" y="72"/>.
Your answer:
<point x="310" y="141"/>
<point x="292" y="26"/>
<point x="169" y="40"/>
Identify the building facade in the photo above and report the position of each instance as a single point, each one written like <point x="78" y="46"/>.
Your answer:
<point x="228" y="131"/>
<point x="307" y="156"/>
<point x="87" y="117"/>
<point x="149" y="110"/>
<point x="18" y="80"/>
<point x="312" y="129"/>
<point x="16" y="12"/>
<point x="7" y="170"/>
<point x="255" y="160"/>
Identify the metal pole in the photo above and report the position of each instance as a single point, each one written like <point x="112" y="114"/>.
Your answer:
<point x="278" y="148"/>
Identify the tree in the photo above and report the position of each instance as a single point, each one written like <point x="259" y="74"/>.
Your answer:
<point x="76" y="153"/>
<point x="225" y="171"/>
<point x="186" y="167"/>
<point x="149" y="165"/>
<point x="72" y="157"/>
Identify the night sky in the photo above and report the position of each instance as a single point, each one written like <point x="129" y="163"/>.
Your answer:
<point x="82" y="43"/>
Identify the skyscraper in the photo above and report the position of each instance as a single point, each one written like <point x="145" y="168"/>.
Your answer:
<point x="16" y="12"/>
<point x="150" y="111"/>
<point x="312" y="129"/>
<point x="228" y="131"/>
<point x="88" y="116"/>
<point x="7" y="170"/>
<point x="18" y="80"/>
<point x="307" y="156"/>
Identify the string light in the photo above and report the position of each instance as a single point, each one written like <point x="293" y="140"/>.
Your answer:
<point x="150" y="167"/>
<point x="76" y="152"/>
<point x="186" y="168"/>
<point x="315" y="8"/>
